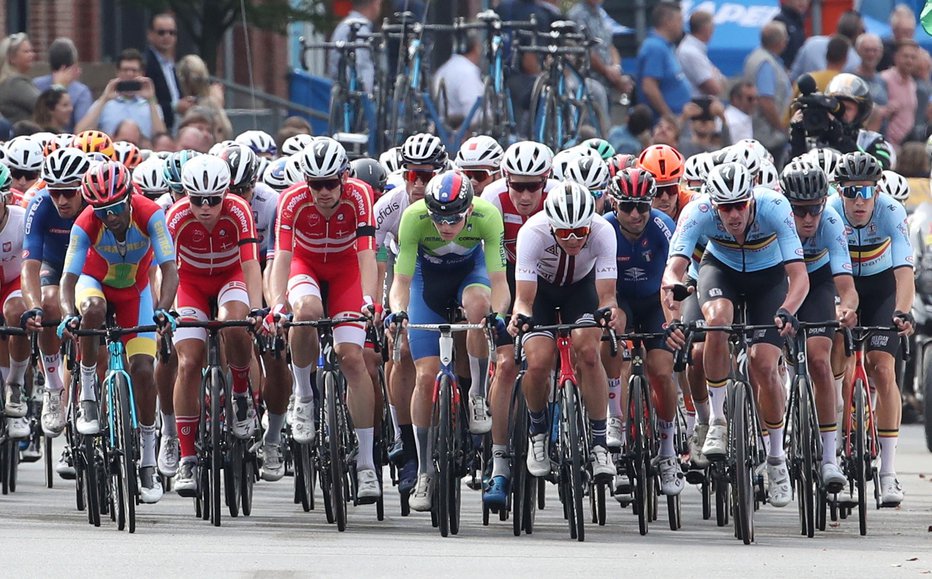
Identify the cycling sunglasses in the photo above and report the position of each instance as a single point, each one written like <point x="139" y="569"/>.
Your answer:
<point x="527" y="187"/>
<point x="447" y="219"/>
<point x="673" y="189"/>
<point x="629" y="206"/>
<point x="118" y="208"/>
<point x="243" y="189"/>
<point x="20" y="174"/>
<point x="563" y="234"/>
<point x="478" y="175"/>
<point x="852" y="191"/>
<point x="208" y="200"/>
<point x="422" y="175"/>
<point x="804" y="210"/>
<point x="66" y="192"/>
<point x="735" y="206"/>
<point x="321" y="184"/>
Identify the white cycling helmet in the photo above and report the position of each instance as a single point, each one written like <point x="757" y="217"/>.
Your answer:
<point x="149" y="176"/>
<point x="423" y="149"/>
<point x="569" y="205"/>
<point x="24" y="153"/>
<point x="745" y="155"/>
<point x="480" y="152"/>
<point x="698" y="166"/>
<point x="325" y="158"/>
<point x="295" y="144"/>
<point x="528" y="159"/>
<point x="760" y="149"/>
<point x="827" y="160"/>
<point x="276" y="176"/>
<point x="391" y="159"/>
<point x="42" y="137"/>
<point x="768" y="176"/>
<point x="219" y="147"/>
<point x="894" y="185"/>
<point x="65" y="167"/>
<point x="293" y="172"/>
<point x="728" y="183"/>
<point x="592" y="172"/>
<point x="205" y="176"/>
<point x="259" y="141"/>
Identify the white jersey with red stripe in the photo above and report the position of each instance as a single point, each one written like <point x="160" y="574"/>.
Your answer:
<point x="496" y="193"/>
<point x="264" y="205"/>
<point x="388" y="210"/>
<point x="224" y="248"/>
<point x="11" y="243"/>
<point x="540" y="256"/>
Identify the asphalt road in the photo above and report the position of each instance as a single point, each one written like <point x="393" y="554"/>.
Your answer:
<point x="44" y="536"/>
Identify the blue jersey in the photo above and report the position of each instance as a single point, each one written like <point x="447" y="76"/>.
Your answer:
<point x="46" y="233"/>
<point x="770" y="238"/>
<point x="883" y="243"/>
<point x="641" y="262"/>
<point x="829" y="245"/>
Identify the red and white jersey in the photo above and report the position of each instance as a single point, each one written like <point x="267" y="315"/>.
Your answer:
<point x="231" y="243"/>
<point x="496" y="193"/>
<point x="11" y="244"/>
<point x="540" y="256"/>
<point x="303" y="230"/>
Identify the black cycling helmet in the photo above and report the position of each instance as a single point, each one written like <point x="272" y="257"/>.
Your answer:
<point x="243" y="163"/>
<point x="849" y="87"/>
<point x="802" y="181"/>
<point x="858" y="166"/>
<point x="448" y="194"/>
<point x="370" y="171"/>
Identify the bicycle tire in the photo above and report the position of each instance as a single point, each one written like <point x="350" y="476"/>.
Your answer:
<point x="323" y="461"/>
<point x="572" y="457"/>
<point x="217" y="391"/>
<point x="862" y="457"/>
<point x="47" y="457"/>
<point x="91" y="473"/>
<point x="334" y="432"/>
<point x="127" y="449"/>
<point x="926" y="387"/>
<point x="247" y="482"/>
<point x="638" y="436"/>
<point x="743" y="424"/>
<point x="804" y="433"/>
<point x="705" y="489"/>
<point x="720" y="486"/>
<point x="7" y="451"/>
<point x="520" y="477"/>
<point x="232" y="477"/>
<point x="304" y="475"/>
<point x="79" y="496"/>
<point x="444" y="454"/>
<point x="399" y="111"/>
<point x="673" y="512"/>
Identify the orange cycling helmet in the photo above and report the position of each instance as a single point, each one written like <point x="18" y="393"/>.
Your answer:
<point x="94" y="142"/>
<point x="663" y="162"/>
<point x="106" y="184"/>
<point x="127" y="153"/>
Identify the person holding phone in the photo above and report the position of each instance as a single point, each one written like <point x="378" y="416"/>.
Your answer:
<point x="128" y="96"/>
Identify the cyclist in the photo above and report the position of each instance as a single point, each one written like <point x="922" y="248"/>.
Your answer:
<point x="592" y="173"/>
<point x="24" y="159"/>
<point x="450" y="253"/>
<point x="217" y="254"/>
<point x="666" y="164"/>
<point x="753" y="250"/>
<point x="480" y="159"/>
<point x="325" y="235"/>
<point x="127" y="153"/>
<point x="172" y="175"/>
<point x="825" y="248"/>
<point x="565" y="259"/>
<point x="882" y="263"/>
<point x="696" y="170"/>
<point x="643" y="237"/>
<point x="295" y="144"/>
<point x="894" y="185"/>
<point x="113" y="242"/>
<point x="372" y="173"/>
<point x="149" y="177"/>
<point x="276" y="177"/>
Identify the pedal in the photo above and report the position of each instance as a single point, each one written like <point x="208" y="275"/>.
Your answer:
<point x="695" y="476"/>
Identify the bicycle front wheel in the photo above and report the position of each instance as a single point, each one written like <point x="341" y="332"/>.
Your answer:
<point x="445" y="456"/>
<point x="572" y="443"/>
<point x="744" y="431"/>
<point x="803" y="435"/>
<point x="637" y="432"/>
<point x="335" y="428"/>
<point x="217" y="391"/>
<point x="862" y="458"/>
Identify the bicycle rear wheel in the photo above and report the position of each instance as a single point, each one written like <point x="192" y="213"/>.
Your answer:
<point x="91" y="474"/>
<point x="233" y="476"/>
<point x="247" y="480"/>
<point x="862" y="458"/>
<point x="335" y="428"/>
<point x="744" y="430"/>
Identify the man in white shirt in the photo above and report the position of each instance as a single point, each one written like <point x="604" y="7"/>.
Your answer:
<point x="368" y="11"/>
<point x="693" y="53"/>
<point x="462" y="80"/>
<point x="743" y="97"/>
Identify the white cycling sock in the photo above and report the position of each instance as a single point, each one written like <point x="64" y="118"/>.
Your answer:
<point x="302" y="382"/>
<point x="18" y="371"/>
<point x="667" y="435"/>
<point x="717" y="399"/>
<point x="274" y="434"/>
<point x="690" y="423"/>
<point x="88" y="378"/>
<point x="394" y="412"/>
<point x="147" y="442"/>
<point x="614" y="398"/>
<point x="53" y="379"/>
<point x="888" y="454"/>
<point x="500" y="466"/>
<point x="776" y="441"/>
<point x="169" y="428"/>
<point x="478" y="371"/>
<point x="703" y="411"/>
<point x="364" y="456"/>
<point x="828" y="445"/>
<point x="422" y="442"/>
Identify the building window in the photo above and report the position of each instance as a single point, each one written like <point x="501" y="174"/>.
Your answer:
<point x="17" y="12"/>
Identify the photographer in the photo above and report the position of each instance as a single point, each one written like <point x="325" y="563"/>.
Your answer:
<point x="835" y="118"/>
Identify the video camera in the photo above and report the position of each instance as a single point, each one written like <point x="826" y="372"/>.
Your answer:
<point x="820" y="111"/>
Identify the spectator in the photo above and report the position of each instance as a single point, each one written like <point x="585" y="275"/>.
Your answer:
<point x="662" y="84"/>
<point x="194" y="81"/>
<point x="290" y="129"/>
<point x="740" y="110"/>
<point x="603" y="57"/>
<point x="462" y="81"/>
<point x="63" y="62"/>
<point x="913" y="161"/>
<point x="870" y="49"/>
<point x="701" y="135"/>
<point x="24" y="128"/>
<point x="163" y="142"/>
<point x="138" y="105"/>
<point x="793" y="15"/>
<point x="836" y="56"/>
<point x="764" y="70"/>
<point x="812" y="54"/>
<point x="194" y="138"/>
<point x="162" y="37"/>
<point x="53" y="110"/>
<point x="129" y="131"/>
<point x="903" y="27"/>
<point x="901" y="88"/>
<point x="633" y="137"/>
<point x="922" y="76"/>
<point x="298" y="123"/>
<point x="17" y="93"/>
<point x="367" y="10"/>
<point x="693" y="54"/>
<point x="201" y="118"/>
<point x="666" y="132"/>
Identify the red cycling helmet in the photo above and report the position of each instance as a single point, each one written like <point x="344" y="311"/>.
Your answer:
<point x="633" y="184"/>
<point x="620" y="162"/>
<point x="106" y="184"/>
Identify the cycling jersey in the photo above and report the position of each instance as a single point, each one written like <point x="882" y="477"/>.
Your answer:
<point x="264" y="205"/>
<point x="93" y="249"/>
<point x="165" y="201"/>
<point x="388" y="210"/>
<point x="770" y="237"/>
<point x="641" y="262"/>
<point x="883" y="242"/>
<point x="540" y="257"/>
<point x="11" y="246"/>
<point x="231" y="243"/>
<point x="496" y="193"/>
<point x="419" y="241"/>
<point x="29" y="194"/>
<point x="683" y="198"/>
<point x="46" y="232"/>
<point x="829" y="245"/>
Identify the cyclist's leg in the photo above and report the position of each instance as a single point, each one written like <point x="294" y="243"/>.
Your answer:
<point x="306" y="305"/>
<point x="13" y="308"/>
<point x="189" y="344"/>
<point x="476" y="298"/>
<point x="93" y="309"/>
<point x="49" y="344"/>
<point x="716" y="294"/>
<point x="233" y="304"/>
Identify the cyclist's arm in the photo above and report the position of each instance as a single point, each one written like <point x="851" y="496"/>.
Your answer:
<point x="33" y="252"/>
<point x="799" y="285"/>
<point x="844" y="285"/>
<point x="400" y="294"/>
<point x="253" y="276"/>
<point x="74" y="262"/>
<point x="672" y="275"/>
<point x="605" y="289"/>
<point x="525" y="292"/>
<point x="66" y="294"/>
<point x="905" y="288"/>
<point x="31" y="284"/>
<point x="169" y="286"/>
<point x="501" y="295"/>
<point x="368" y="273"/>
<point x="278" y="278"/>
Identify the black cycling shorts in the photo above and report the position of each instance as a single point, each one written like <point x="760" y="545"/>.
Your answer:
<point x="819" y="305"/>
<point x="645" y="315"/>
<point x="763" y="292"/>
<point x="50" y="273"/>
<point x="877" y="302"/>
<point x="576" y="302"/>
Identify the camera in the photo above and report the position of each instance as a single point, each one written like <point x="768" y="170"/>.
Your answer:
<point x="820" y="111"/>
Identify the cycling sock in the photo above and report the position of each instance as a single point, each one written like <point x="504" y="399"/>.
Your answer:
<point x="274" y="433"/>
<point x="364" y="459"/>
<point x="776" y="439"/>
<point x="394" y="413"/>
<point x="147" y="444"/>
<point x="716" y="399"/>
<point x="765" y="436"/>
<point x="614" y="398"/>
<point x="538" y="422"/>
<point x="168" y="425"/>
<point x="598" y="432"/>
<point x="302" y="382"/>
<point x="703" y="410"/>
<point x="407" y="441"/>
<point x="839" y="396"/>
<point x="500" y="465"/>
<point x="18" y="371"/>
<point x="187" y="435"/>
<point x="53" y="380"/>
<point x="478" y="372"/>
<point x="888" y="440"/>
<point x="88" y="377"/>
<point x="667" y="436"/>
<point x="690" y="423"/>
<point x="827" y="434"/>
<point x="422" y="442"/>
<point x="240" y="379"/>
